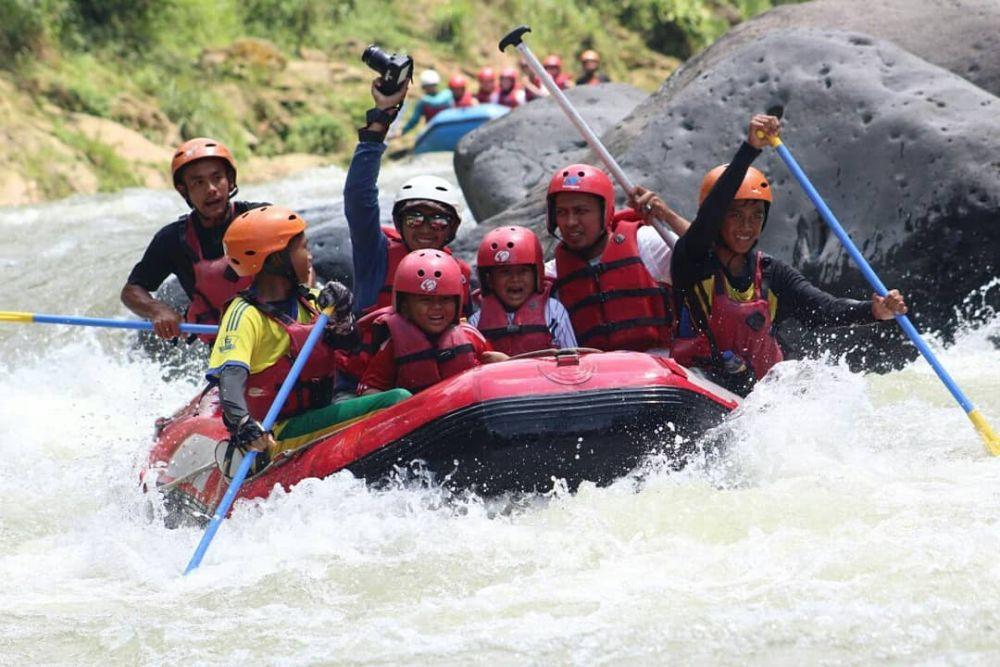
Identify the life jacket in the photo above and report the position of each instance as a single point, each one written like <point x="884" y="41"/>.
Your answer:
<point x="314" y="386"/>
<point x="614" y="304"/>
<point x="430" y="110"/>
<point x="466" y="100"/>
<point x="527" y="333"/>
<point x="215" y="284"/>
<point x="513" y="98"/>
<point x="371" y="335"/>
<point x="421" y="363"/>
<point x="397" y="251"/>
<point x="741" y="325"/>
<point x="488" y="98"/>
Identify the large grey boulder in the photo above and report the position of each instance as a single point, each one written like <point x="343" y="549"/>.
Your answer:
<point x="500" y="162"/>
<point x="904" y="152"/>
<point x="961" y="36"/>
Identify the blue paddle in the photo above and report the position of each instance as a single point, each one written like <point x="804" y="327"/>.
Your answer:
<point x="272" y="416"/>
<point x="38" y="318"/>
<point x="982" y="427"/>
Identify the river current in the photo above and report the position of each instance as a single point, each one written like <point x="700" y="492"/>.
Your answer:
<point x="854" y="520"/>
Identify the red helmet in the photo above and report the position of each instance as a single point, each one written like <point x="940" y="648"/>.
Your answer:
<point x="458" y="81"/>
<point x="552" y="61"/>
<point x="581" y="178"/>
<point x="429" y="272"/>
<point x="508" y="73"/>
<point x="510" y="246"/>
<point x="486" y="74"/>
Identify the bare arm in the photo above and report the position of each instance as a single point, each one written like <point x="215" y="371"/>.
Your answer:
<point x="166" y="321"/>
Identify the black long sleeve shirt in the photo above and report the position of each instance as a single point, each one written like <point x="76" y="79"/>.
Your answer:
<point x="694" y="260"/>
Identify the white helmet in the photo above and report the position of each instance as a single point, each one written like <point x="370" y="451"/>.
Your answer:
<point x="430" y="188"/>
<point x="429" y="77"/>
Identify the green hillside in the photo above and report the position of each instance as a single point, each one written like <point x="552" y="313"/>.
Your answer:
<point x="95" y="93"/>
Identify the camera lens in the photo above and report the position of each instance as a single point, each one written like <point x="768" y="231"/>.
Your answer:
<point x="375" y="58"/>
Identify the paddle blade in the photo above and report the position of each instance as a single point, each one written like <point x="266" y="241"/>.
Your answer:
<point x="986" y="432"/>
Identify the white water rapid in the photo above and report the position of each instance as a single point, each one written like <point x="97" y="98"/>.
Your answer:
<point x="856" y="519"/>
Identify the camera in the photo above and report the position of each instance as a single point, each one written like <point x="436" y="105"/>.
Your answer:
<point x="395" y="69"/>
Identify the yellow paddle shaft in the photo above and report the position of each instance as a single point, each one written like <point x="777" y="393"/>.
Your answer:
<point x="12" y="316"/>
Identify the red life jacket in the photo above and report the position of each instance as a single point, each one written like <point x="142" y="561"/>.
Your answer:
<point x="614" y="304"/>
<point x="371" y="335"/>
<point x="421" y="363"/>
<point x="488" y="98"/>
<point x="465" y="100"/>
<point x="741" y="326"/>
<point x="430" y="111"/>
<point x="397" y="251"/>
<point x="527" y="333"/>
<point x="213" y="284"/>
<point x="314" y="387"/>
<point x="513" y="98"/>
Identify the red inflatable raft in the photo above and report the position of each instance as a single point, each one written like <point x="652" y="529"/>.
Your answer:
<point x="512" y="426"/>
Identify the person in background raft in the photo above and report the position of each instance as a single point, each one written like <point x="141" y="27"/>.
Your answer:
<point x="533" y="88"/>
<point x="204" y="173"/>
<point x="590" y="61"/>
<point x="732" y="294"/>
<point x="487" y="93"/>
<point x="432" y="102"/>
<point x="611" y="271"/>
<point x="459" y="87"/>
<point x="425" y="213"/>
<point x="421" y="340"/>
<point x="517" y="314"/>
<point x="510" y="93"/>
<point x="262" y="332"/>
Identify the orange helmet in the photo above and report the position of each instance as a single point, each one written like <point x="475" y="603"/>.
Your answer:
<point x="199" y="149"/>
<point x="429" y="273"/>
<point x="552" y="61"/>
<point x="754" y="186"/>
<point x="590" y="54"/>
<point x="510" y="246"/>
<point x="258" y="234"/>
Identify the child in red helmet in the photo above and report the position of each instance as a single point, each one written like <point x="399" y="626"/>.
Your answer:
<point x="422" y="341"/>
<point x="518" y="315"/>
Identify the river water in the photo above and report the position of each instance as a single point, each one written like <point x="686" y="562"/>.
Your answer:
<point x="855" y="520"/>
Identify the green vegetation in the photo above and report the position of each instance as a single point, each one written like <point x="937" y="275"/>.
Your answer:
<point x="269" y="77"/>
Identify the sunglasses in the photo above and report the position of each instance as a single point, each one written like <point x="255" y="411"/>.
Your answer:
<point x="437" y="221"/>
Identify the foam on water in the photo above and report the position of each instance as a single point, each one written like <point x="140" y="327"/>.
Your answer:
<point x="853" y="520"/>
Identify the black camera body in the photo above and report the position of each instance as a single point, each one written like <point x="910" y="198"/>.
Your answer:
<point x="395" y="69"/>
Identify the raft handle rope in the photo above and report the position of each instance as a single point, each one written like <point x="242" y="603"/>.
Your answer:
<point x="515" y="38"/>
<point x="990" y="438"/>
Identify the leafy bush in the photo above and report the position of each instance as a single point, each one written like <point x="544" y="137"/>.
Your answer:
<point x="315" y="133"/>
<point x="22" y="28"/>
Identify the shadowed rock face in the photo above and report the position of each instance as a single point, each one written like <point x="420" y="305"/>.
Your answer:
<point x="500" y="162"/>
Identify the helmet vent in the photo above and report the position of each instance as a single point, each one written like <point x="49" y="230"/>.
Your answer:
<point x="250" y="253"/>
<point x="437" y="274"/>
<point x="420" y="272"/>
<point x="438" y="187"/>
<point x="292" y="217"/>
<point x="510" y="244"/>
<point x="494" y="245"/>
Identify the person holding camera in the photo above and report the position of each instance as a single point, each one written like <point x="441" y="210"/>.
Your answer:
<point x="425" y="213"/>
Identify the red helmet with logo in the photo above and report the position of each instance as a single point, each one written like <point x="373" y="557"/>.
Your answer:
<point x="581" y="178"/>
<point x="510" y="246"/>
<point x="429" y="273"/>
<point x="458" y="81"/>
<point x="486" y="74"/>
<point x="552" y="61"/>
